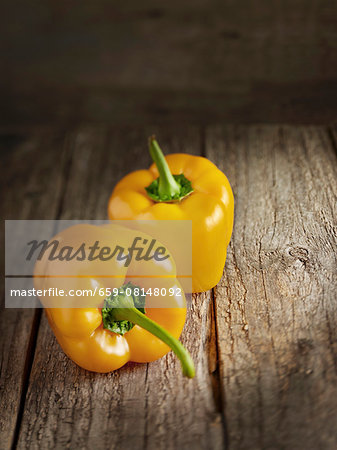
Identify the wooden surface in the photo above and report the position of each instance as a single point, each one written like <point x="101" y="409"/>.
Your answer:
<point x="206" y="61"/>
<point x="264" y="340"/>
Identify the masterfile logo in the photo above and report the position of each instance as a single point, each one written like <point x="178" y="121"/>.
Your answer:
<point x="80" y="263"/>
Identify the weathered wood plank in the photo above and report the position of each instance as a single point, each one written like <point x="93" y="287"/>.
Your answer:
<point x="150" y="406"/>
<point x="276" y="304"/>
<point x="32" y="176"/>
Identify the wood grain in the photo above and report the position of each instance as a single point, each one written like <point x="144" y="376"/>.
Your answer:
<point x="31" y="187"/>
<point x="264" y="341"/>
<point x="276" y="307"/>
<point x="150" y="406"/>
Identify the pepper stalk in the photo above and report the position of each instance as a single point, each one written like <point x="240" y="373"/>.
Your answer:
<point x="120" y="314"/>
<point x="167" y="187"/>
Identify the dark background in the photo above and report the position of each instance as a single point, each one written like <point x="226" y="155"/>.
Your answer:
<point x="200" y="61"/>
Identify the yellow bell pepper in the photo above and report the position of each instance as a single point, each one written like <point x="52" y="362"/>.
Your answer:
<point x="102" y="333"/>
<point x="197" y="191"/>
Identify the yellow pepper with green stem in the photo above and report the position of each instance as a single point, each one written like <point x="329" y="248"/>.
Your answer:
<point x="182" y="187"/>
<point x="102" y="333"/>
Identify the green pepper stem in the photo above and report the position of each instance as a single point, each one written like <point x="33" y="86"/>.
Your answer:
<point x="136" y="317"/>
<point x="167" y="184"/>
